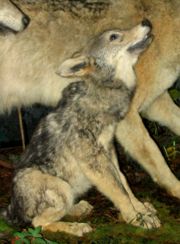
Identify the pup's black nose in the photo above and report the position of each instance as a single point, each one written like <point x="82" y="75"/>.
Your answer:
<point x="146" y="22"/>
<point x="26" y="20"/>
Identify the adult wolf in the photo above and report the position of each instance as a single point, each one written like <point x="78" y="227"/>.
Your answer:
<point x="73" y="149"/>
<point x="31" y="77"/>
<point x="12" y="19"/>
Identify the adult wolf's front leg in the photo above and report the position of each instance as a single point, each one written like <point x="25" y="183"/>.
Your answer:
<point x="164" y="111"/>
<point x="134" y="137"/>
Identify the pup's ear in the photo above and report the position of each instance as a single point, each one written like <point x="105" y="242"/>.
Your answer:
<point x="77" y="66"/>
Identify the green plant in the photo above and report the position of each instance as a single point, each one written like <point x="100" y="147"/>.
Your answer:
<point x="171" y="151"/>
<point x="30" y="236"/>
<point x="175" y="94"/>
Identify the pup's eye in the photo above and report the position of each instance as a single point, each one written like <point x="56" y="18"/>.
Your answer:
<point x="113" y="37"/>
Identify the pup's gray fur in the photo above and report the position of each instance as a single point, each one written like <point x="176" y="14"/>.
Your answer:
<point x="12" y="19"/>
<point x="72" y="148"/>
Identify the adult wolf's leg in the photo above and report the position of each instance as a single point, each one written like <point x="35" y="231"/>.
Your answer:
<point x="164" y="111"/>
<point x="136" y="140"/>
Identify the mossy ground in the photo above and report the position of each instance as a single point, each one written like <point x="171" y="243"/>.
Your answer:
<point x="104" y="217"/>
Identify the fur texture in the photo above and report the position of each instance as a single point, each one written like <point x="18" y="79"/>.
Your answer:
<point x="12" y="19"/>
<point x="72" y="149"/>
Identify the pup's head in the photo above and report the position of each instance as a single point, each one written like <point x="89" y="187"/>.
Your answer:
<point x="112" y="46"/>
<point x="110" y="54"/>
<point x="12" y="19"/>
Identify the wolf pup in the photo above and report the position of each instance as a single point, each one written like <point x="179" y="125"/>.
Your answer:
<point x="72" y="148"/>
<point x="12" y="19"/>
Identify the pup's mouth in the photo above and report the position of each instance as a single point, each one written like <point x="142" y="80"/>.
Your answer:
<point x="141" y="45"/>
<point x="6" y="29"/>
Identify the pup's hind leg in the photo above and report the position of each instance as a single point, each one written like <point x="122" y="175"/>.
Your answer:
<point x="164" y="111"/>
<point x="136" y="140"/>
<point x="77" y="229"/>
<point x="56" y="201"/>
<point x="48" y="219"/>
<point x="58" y="198"/>
<point x="45" y="199"/>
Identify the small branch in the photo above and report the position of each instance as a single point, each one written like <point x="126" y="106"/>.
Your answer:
<point x="21" y="129"/>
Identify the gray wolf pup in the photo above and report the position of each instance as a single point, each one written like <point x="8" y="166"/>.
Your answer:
<point x="72" y="148"/>
<point x="12" y="19"/>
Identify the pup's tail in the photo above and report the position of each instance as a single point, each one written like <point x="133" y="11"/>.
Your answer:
<point x="10" y="216"/>
<point x="5" y="213"/>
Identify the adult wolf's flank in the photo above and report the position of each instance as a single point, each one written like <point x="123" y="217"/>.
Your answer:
<point x="72" y="149"/>
<point x="12" y="19"/>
